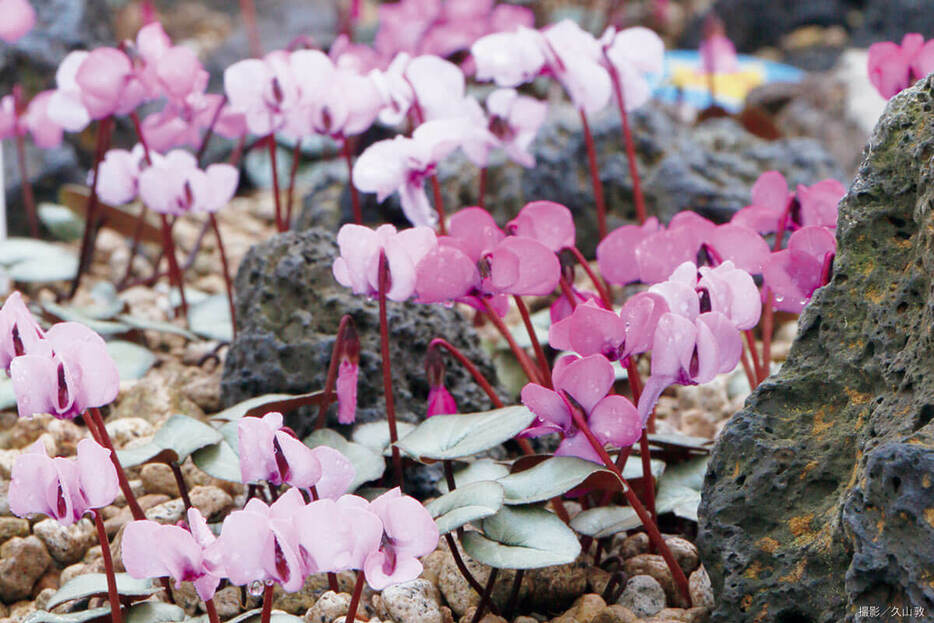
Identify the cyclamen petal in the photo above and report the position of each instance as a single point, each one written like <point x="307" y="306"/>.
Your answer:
<point x="547" y="222"/>
<point x="18" y="18"/>
<point x="616" y="253"/>
<point x="346" y="392"/>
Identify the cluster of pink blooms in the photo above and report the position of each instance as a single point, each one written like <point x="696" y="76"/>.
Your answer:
<point x="894" y="67"/>
<point x="62" y="371"/>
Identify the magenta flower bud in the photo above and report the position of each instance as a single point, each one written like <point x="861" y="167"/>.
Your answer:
<point x="348" y="353"/>
<point x="64" y="489"/>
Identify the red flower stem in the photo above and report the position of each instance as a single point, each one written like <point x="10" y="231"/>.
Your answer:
<point x="485" y="597"/>
<point x="267" y="603"/>
<point x="239" y="150"/>
<point x="227" y="282"/>
<point x="747" y="368"/>
<point x="296" y="155"/>
<point x="383" y="284"/>
<point x="332" y="372"/>
<point x="595" y="176"/>
<point x="175" y="275"/>
<point x="90" y="213"/>
<point x="354" y="195"/>
<point x="354" y="599"/>
<point x="598" y="283"/>
<point x="635" y="379"/>
<point x="29" y="200"/>
<point x="212" y="611"/>
<point x="182" y="485"/>
<point x="651" y="528"/>
<point x="248" y="11"/>
<point x="481" y="199"/>
<point x="568" y="292"/>
<point x="471" y="368"/>
<point x="536" y="345"/>
<point x="524" y="361"/>
<point x="648" y="481"/>
<point x="95" y="423"/>
<point x="768" y="326"/>
<point x="271" y="143"/>
<point x="134" y="247"/>
<point x="513" y="594"/>
<point x="116" y="616"/>
<point x="756" y="365"/>
<point x="210" y="131"/>
<point x="439" y="203"/>
<point x="638" y="198"/>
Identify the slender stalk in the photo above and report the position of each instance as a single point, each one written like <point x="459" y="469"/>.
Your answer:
<point x="332" y="371"/>
<point x="595" y="176"/>
<point x="461" y="566"/>
<point x="212" y="611"/>
<point x="116" y="616"/>
<point x="598" y="283"/>
<point x="756" y="365"/>
<point x="95" y="423"/>
<point x="568" y="292"/>
<point x="267" y="602"/>
<point x="536" y="346"/>
<point x="134" y="246"/>
<point x="290" y="196"/>
<point x="768" y="326"/>
<point x="248" y="11"/>
<point x="471" y="368"/>
<point x="354" y="194"/>
<point x="387" y="372"/>
<point x="189" y="261"/>
<point x="210" y="131"/>
<point x="226" y="268"/>
<point x="485" y="597"/>
<point x="90" y="213"/>
<point x="524" y="362"/>
<point x="481" y="192"/>
<point x="175" y="274"/>
<point x="439" y="203"/>
<point x="182" y="485"/>
<point x="514" y="594"/>
<point x="747" y="368"/>
<point x="271" y="143"/>
<point x="648" y="482"/>
<point x="355" y="599"/>
<point x="29" y="200"/>
<point x="638" y="198"/>
<point x="651" y="528"/>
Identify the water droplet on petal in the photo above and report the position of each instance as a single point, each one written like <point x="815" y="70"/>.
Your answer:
<point x="257" y="588"/>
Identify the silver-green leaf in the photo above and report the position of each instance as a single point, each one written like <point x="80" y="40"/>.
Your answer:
<point x="522" y="537"/>
<point x="550" y="478"/>
<point x="90" y="584"/>
<point x="466" y="504"/>
<point x="463" y="435"/>
<point x="177" y="438"/>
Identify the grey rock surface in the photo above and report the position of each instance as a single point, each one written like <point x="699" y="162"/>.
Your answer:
<point x="643" y="595"/>
<point x="818" y="497"/>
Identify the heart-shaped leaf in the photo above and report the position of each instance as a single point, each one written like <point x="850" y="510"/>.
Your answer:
<point x="522" y="537"/>
<point x="220" y="460"/>
<point x="177" y="438"/>
<point x="463" y="435"/>
<point x="144" y="324"/>
<point x="153" y="612"/>
<point x="261" y="405"/>
<point x="475" y="471"/>
<point x="34" y="261"/>
<point x="62" y="222"/>
<point x="466" y="504"/>
<point x="133" y="361"/>
<point x="368" y="464"/>
<point x="105" y="328"/>
<point x="375" y="435"/>
<point x="83" y="616"/>
<point x="633" y="468"/>
<point x="689" y="474"/>
<point x="210" y="318"/>
<point x="553" y="477"/>
<point x="604" y="521"/>
<point x="91" y="584"/>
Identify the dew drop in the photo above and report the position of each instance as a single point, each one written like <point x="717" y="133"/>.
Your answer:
<point x="257" y="588"/>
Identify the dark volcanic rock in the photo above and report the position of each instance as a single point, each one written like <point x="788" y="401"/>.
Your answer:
<point x="819" y="497"/>
<point x="709" y="168"/>
<point x="288" y="310"/>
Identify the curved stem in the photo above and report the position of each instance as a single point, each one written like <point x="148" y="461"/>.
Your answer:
<point x="594" y="176"/>
<point x="471" y="368"/>
<point x="267" y="603"/>
<point x="210" y="131"/>
<point x="768" y="326"/>
<point x="481" y="191"/>
<point x="597" y="282"/>
<point x="514" y="594"/>
<point x="116" y="616"/>
<point x="355" y="599"/>
<point x="29" y="201"/>
<point x="568" y="292"/>
<point x="226" y="269"/>
<point x="648" y="482"/>
<point x="332" y="372"/>
<point x="638" y="198"/>
<point x="248" y="11"/>
<point x="485" y="597"/>
<point x="536" y="346"/>
<point x="271" y="143"/>
<point x="175" y="274"/>
<point x="290" y="196"/>
<point x="387" y="372"/>
<point x="756" y="365"/>
<point x="354" y="195"/>
<point x="182" y="485"/>
<point x="524" y="362"/>
<point x="651" y="528"/>
<point x="747" y="368"/>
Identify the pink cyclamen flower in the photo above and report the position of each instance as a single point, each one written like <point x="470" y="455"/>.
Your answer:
<point x="440" y="400"/>
<point x="265" y="91"/>
<point x="94" y="85"/>
<point x="78" y="374"/>
<point x="724" y="288"/>
<point x="770" y="201"/>
<point x="183" y="120"/>
<point x="403" y="164"/>
<point x="408" y="533"/>
<point x="20" y="334"/>
<point x="360" y="249"/>
<point x="515" y="120"/>
<point x="18" y="18"/>
<point x="582" y="383"/>
<point x="794" y="273"/>
<point x="689" y="351"/>
<point x="631" y="54"/>
<point x="179" y="554"/>
<point x="268" y="452"/>
<point x="173" y="71"/>
<point x="261" y="543"/>
<point x="338" y="535"/>
<point x="173" y="184"/>
<point x="616" y="255"/>
<point x="118" y="175"/>
<point x="818" y="203"/>
<point x="64" y="489"/>
<point x="35" y="120"/>
<point x="548" y="222"/>
<point x="430" y="86"/>
<point x="894" y="67"/>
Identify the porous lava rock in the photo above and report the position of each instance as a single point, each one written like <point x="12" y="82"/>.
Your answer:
<point x="819" y="496"/>
<point x="288" y="310"/>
